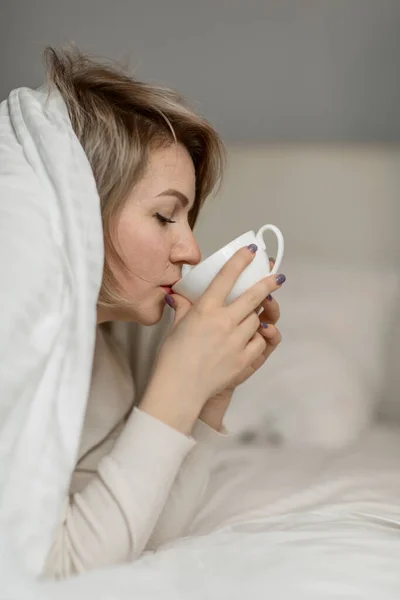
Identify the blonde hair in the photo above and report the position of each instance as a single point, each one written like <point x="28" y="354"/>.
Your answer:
<point x="119" y="121"/>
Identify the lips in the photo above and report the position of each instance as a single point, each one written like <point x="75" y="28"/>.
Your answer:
<point x="170" y="285"/>
<point x="168" y="288"/>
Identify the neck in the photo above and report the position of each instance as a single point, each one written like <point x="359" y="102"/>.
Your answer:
<point x="103" y="315"/>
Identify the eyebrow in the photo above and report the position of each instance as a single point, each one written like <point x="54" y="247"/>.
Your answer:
<point x="172" y="192"/>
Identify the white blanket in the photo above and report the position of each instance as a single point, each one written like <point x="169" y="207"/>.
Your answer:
<point x="332" y="532"/>
<point x="51" y="250"/>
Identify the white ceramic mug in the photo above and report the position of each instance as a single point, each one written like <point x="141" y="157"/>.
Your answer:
<point x="195" y="280"/>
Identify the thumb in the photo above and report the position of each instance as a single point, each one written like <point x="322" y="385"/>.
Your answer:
<point x="180" y="305"/>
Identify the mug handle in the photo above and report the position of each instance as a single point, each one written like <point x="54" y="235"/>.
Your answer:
<point x="281" y="244"/>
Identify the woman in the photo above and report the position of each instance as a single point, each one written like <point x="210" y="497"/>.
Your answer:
<point x="143" y="462"/>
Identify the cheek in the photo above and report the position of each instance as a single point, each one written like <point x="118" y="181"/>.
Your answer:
<point x="145" y="250"/>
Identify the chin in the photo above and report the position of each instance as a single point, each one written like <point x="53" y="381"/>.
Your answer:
<point x="149" y="319"/>
<point x="149" y="315"/>
<point x="153" y="315"/>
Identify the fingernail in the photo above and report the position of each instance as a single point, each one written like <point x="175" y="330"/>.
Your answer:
<point x="169" y="300"/>
<point x="253" y="248"/>
<point x="264" y="325"/>
<point x="280" y="279"/>
<point x="269" y="297"/>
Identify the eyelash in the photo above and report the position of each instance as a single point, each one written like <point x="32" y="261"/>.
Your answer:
<point x="164" y="220"/>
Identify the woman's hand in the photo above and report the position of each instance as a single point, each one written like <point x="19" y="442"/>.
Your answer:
<point x="215" y="408"/>
<point x="211" y="346"/>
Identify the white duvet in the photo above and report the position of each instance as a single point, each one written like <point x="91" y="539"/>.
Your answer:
<point x="332" y="531"/>
<point x="51" y="249"/>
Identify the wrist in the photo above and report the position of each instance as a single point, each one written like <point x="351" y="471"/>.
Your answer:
<point x="171" y="403"/>
<point x="214" y="410"/>
<point x="213" y="420"/>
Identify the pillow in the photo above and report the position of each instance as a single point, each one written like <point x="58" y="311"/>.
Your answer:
<point x="322" y="386"/>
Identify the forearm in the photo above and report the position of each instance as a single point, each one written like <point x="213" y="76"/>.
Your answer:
<point x="189" y="486"/>
<point x="111" y="520"/>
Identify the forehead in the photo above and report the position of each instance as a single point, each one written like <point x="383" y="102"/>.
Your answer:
<point x="172" y="163"/>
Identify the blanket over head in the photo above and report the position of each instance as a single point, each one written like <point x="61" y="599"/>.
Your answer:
<point x="51" y="248"/>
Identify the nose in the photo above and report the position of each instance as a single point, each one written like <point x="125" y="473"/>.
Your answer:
<point x="186" y="251"/>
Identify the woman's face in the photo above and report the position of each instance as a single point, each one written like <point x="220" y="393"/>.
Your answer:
<point x="154" y="249"/>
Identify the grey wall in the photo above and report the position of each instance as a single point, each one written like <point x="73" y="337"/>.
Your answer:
<point x="261" y="70"/>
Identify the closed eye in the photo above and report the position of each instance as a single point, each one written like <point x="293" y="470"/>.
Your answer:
<point x="163" y="220"/>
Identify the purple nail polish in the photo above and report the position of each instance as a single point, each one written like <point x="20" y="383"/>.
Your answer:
<point x="264" y="325"/>
<point x="269" y="297"/>
<point x="280" y="279"/>
<point x="253" y="248"/>
<point x="169" y="300"/>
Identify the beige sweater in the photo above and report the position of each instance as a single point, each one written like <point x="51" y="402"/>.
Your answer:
<point x="137" y="483"/>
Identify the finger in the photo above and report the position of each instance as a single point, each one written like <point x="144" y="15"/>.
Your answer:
<point x="253" y="350"/>
<point x="271" y="266"/>
<point x="260" y="360"/>
<point x="246" y="330"/>
<point x="271" y="344"/>
<point x="251" y="298"/>
<point x="179" y="304"/>
<point x="273" y="338"/>
<point x="271" y="311"/>
<point x="222" y="284"/>
<point x="271" y="334"/>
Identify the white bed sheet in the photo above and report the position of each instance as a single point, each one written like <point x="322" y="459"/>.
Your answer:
<point x="258" y="481"/>
<point x="296" y="525"/>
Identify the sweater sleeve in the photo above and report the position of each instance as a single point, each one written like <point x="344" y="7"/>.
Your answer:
<point x="111" y="520"/>
<point x="189" y="486"/>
